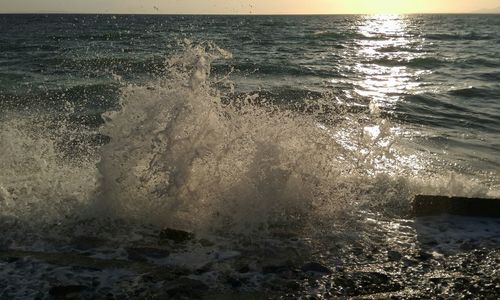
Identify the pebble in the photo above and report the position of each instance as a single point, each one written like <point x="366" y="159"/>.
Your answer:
<point x="185" y="286"/>
<point x="394" y="255"/>
<point x="65" y="291"/>
<point x="143" y="253"/>
<point x="316" y="268"/>
<point x="274" y="269"/>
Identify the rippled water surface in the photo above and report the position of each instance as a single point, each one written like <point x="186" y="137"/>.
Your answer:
<point x="437" y="74"/>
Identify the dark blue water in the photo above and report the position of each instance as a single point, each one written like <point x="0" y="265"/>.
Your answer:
<point x="436" y="75"/>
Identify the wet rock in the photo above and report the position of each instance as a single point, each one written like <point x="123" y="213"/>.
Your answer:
<point x="66" y="291"/>
<point x="461" y="284"/>
<point x="363" y="283"/>
<point x="178" y="236"/>
<point x="339" y="269"/>
<point x="357" y="250"/>
<point x="276" y="284"/>
<point x="437" y="280"/>
<point x="95" y="282"/>
<point x="186" y="287"/>
<point x="143" y="253"/>
<point x="206" y="243"/>
<point x="316" y="268"/>
<point x="239" y="295"/>
<point x="77" y="268"/>
<point x="394" y="255"/>
<point x="426" y="205"/>
<point x="275" y="269"/>
<point x="10" y="259"/>
<point x="284" y="234"/>
<point x="234" y="282"/>
<point x="147" y="278"/>
<point x="422" y="255"/>
<point x="468" y="246"/>
<point x="204" y="269"/>
<point x="85" y="243"/>
<point x="432" y="243"/>
<point x="293" y="285"/>
<point x="244" y="269"/>
<point x="410" y="262"/>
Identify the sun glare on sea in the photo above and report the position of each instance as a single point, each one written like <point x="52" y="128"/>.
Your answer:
<point x="385" y="43"/>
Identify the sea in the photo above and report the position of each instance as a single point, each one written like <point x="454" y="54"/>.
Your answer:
<point x="271" y="139"/>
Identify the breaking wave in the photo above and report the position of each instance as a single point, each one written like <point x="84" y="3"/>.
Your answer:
<point x="186" y="151"/>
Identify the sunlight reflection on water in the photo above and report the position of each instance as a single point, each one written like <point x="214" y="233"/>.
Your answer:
<point x="384" y="81"/>
<point x="385" y="40"/>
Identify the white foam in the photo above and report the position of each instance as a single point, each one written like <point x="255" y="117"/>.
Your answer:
<point x="181" y="156"/>
<point x="185" y="154"/>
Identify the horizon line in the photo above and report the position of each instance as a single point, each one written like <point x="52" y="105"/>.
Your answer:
<point x="244" y="14"/>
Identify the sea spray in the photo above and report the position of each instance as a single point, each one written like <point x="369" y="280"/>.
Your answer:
<point x="183" y="152"/>
<point x="40" y="182"/>
<point x="182" y="156"/>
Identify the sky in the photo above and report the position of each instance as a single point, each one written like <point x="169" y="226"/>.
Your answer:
<point x="247" y="6"/>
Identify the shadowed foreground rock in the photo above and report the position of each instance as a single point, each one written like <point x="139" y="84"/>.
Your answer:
<point x="66" y="291"/>
<point x="157" y="272"/>
<point x="425" y="205"/>
<point x="178" y="236"/>
<point x="316" y="268"/>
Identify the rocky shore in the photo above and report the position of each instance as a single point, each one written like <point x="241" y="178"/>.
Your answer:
<point x="434" y="257"/>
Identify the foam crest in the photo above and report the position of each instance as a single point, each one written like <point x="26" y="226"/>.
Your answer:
<point x="38" y="184"/>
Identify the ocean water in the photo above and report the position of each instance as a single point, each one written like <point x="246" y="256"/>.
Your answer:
<point x="241" y="125"/>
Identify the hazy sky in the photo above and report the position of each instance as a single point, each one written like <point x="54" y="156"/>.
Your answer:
<point x="245" y="6"/>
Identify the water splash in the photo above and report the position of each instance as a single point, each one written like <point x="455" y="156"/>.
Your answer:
<point x="187" y="154"/>
<point x="38" y="182"/>
<point x="182" y="154"/>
